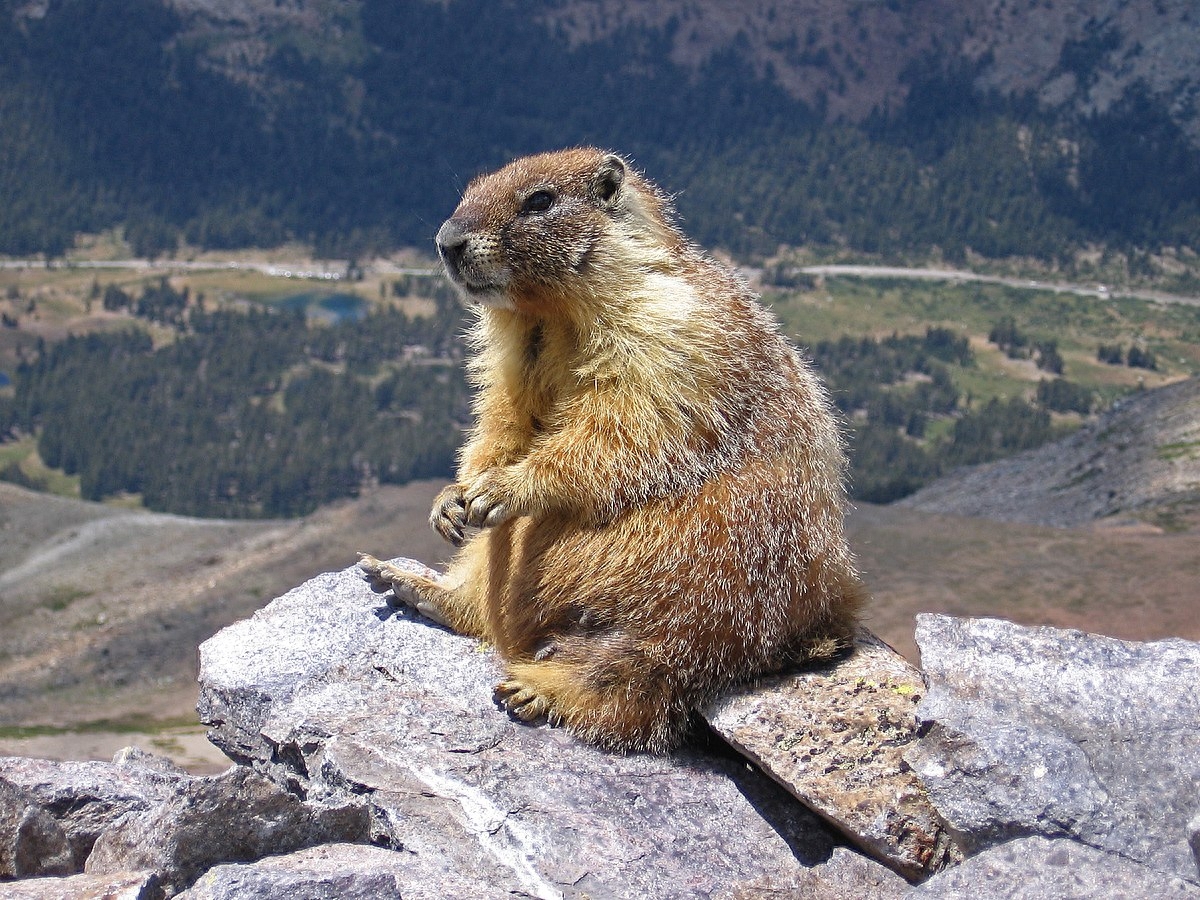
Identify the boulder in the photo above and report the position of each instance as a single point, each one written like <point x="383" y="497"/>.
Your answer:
<point x="85" y="798"/>
<point x="225" y="818"/>
<point x="1043" y="731"/>
<point x="834" y="737"/>
<point x="31" y="841"/>
<point x="329" y="690"/>
<point x="1036" y="868"/>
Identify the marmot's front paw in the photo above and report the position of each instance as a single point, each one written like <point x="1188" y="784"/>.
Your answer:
<point x="449" y="514"/>
<point x="488" y="501"/>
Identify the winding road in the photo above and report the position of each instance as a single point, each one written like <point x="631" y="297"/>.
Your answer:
<point x="324" y="272"/>
<point x="958" y="275"/>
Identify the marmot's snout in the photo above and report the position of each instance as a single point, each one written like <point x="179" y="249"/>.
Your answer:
<point x="451" y="241"/>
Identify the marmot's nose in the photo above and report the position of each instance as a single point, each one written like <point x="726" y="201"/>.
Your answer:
<point x="451" y="240"/>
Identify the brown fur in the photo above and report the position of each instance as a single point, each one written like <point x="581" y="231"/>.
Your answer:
<point x="657" y="472"/>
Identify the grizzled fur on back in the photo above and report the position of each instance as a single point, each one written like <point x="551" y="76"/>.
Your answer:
<point x="657" y="474"/>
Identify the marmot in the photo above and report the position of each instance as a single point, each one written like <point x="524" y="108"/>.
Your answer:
<point x="658" y="475"/>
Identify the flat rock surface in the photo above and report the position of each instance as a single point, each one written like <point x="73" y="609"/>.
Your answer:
<point x="329" y="690"/>
<point x="341" y="872"/>
<point x="834" y="736"/>
<point x="118" y="886"/>
<point x="1042" y="731"/>
<point x="1034" y="868"/>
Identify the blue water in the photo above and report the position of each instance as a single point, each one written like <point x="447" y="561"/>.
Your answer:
<point x="331" y="307"/>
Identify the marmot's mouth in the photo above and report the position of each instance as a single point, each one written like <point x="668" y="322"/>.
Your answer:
<point x="472" y="282"/>
<point x="475" y="284"/>
<point x="495" y="298"/>
<point x="484" y="293"/>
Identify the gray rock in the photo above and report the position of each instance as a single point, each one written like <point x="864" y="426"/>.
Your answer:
<point x="118" y="886"/>
<point x="329" y="690"/>
<point x="846" y="876"/>
<point x="1041" y="731"/>
<point x="834" y="737"/>
<point x="341" y="872"/>
<point x="31" y="841"/>
<point x="1034" y="868"/>
<point x="1194" y="838"/>
<point x="237" y="816"/>
<point x="85" y="798"/>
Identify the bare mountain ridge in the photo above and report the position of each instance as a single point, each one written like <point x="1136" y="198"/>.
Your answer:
<point x="1141" y="458"/>
<point x="847" y="58"/>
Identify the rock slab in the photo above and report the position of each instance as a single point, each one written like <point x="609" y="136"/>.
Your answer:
<point x="338" y="872"/>
<point x="1061" y="734"/>
<point x="1036" y="868"/>
<point x="834" y="737"/>
<point x="329" y="690"/>
<point x="118" y="886"/>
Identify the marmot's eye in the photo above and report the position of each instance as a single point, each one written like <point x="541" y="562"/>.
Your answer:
<point x="538" y="201"/>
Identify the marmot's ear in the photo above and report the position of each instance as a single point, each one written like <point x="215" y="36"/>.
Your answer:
<point x="607" y="182"/>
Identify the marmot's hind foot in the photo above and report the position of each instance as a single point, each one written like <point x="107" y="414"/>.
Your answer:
<point x="523" y="702"/>
<point x="408" y="589"/>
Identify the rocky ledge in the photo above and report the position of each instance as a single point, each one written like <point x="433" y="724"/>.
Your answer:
<point x="370" y="761"/>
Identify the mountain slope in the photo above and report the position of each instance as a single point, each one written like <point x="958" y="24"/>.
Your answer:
<point x="1141" y="458"/>
<point x="853" y="59"/>
<point x="103" y="608"/>
<point x="1001" y="127"/>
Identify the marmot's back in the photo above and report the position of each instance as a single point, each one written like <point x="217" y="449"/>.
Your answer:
<point x="657" y="473"/>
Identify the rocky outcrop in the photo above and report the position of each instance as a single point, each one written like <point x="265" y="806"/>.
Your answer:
<point x="140" y="825"/>
<point x="373" y="763"/>
<point x="330" y="690"/>
<point x="1039" y="731"/>
<point x="1140" y="456"/>
<point x="85" y="799"/>
<point x="238" y="816"/>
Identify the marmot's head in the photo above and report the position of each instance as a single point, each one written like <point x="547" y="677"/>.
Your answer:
<point x="551" y="226"/>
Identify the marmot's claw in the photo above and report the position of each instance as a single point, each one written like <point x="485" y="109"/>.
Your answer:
<point x="486" y="511"/>
<point x="521" y="702"/>
<point x="449" y="515"/>
<point x="449" y="530"/>
<point x="486" y="503"/>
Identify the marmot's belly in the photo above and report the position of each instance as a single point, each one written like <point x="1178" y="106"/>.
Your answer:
<point x="707" y="574"/>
